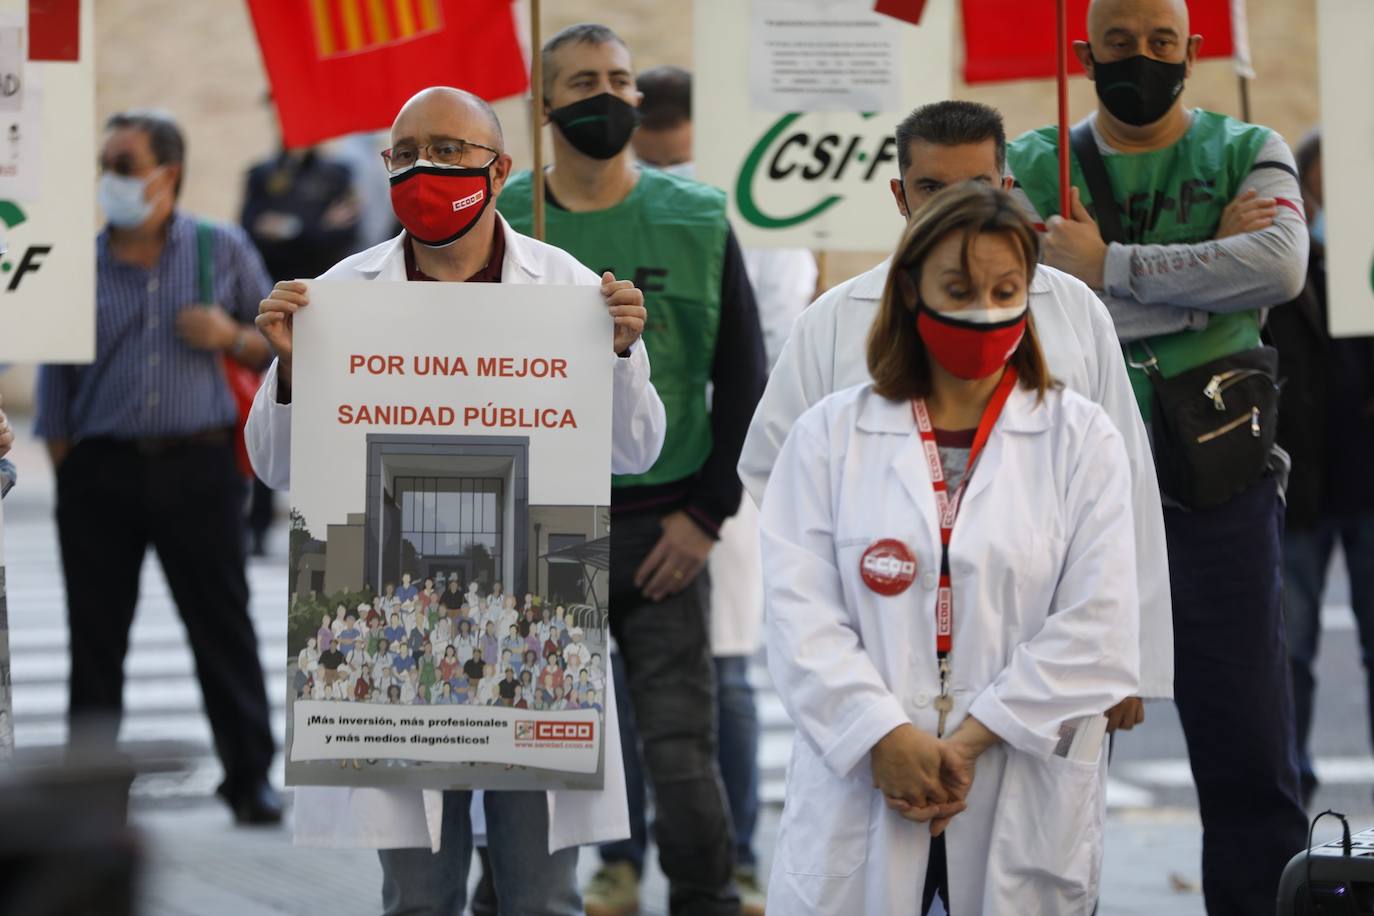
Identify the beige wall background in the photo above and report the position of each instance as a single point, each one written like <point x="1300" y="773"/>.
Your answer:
<point x="200" y="61"/>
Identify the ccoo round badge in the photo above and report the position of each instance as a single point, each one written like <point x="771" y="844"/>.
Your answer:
<point x="888" y="567"/>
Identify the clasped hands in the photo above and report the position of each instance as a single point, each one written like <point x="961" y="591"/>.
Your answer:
<point x="927" y="779"/>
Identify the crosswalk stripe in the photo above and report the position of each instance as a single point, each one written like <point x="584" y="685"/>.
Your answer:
<point x="188" y="729"/>
<point x="1175" y="773"/>
<point x="155" y="663"/>
<point x="141" y="697"/>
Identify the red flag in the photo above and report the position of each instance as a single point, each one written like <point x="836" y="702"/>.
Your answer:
<point x="54" y="29"/>
<point x="340" y="66"/>
<point x="905" y="10"/>
<point x="1014" y="39"/>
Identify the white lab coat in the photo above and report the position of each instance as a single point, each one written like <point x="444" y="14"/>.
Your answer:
<point x="828" y="351"/>
<point x="784" y="280"/>
<point x="1045" y="630"/>
<point x="395" y="818"/>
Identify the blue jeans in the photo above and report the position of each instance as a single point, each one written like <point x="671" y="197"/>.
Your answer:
<point x="529" y="881"/>
<point x="1306" y="556"/>
<point x="737" y="752"/>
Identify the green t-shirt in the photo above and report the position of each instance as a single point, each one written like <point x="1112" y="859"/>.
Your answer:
<point x="668" y="236"/>
<point x="1175" y="195"/>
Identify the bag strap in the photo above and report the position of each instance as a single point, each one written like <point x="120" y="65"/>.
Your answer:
<point x="205" y="261"/>
<point x="1084" y="146"/>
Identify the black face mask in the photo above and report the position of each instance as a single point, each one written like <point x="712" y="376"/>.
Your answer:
<point x="599" y="126"/>
<point x="1138" y="90"/>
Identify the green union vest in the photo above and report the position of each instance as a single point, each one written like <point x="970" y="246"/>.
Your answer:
<point x="1170" y="196"/>
<point x="668" y="236"/>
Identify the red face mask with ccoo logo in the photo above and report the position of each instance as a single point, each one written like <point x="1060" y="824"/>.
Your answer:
<point x="975" y="344"/>
<point x="438" y="205"/>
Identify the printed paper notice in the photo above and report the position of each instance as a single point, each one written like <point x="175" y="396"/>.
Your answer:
<point x="824" y="55"/>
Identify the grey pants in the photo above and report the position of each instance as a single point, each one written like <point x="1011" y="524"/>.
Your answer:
<point x="667" y="654"/>
<point x="529" y="881"/>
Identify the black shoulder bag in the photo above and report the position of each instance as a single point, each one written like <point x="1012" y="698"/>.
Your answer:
<point x="1213" y="425"/>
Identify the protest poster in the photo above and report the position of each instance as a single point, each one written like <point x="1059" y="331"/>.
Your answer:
<point x="807" y="152"/>
<point x="47" y="181"/>
<point x="449" y="543"/>
<point x="1344" y="28"/>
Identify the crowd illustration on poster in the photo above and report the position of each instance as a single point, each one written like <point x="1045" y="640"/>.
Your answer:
<point x="453" y="648"/>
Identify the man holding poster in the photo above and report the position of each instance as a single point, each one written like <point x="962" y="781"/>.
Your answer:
<point x="447" y="165"/>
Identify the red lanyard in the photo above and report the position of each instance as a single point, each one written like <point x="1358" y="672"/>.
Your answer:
<point x="947" y="506"/>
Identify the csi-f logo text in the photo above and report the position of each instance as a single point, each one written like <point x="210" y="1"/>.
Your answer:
<point x="790" y="152"/>
<point x="32" y="256"/>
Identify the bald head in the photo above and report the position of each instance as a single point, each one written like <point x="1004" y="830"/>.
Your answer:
<point x="1115" y="20"/>
<point x="445" y="112"/>
<point x="1147" y="52"/>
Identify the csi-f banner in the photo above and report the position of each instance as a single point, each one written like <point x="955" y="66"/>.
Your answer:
<point x="1016" y="39"/>
<point x="341" y="66"/>
<point x="47" y="181"/>
<point x="1344" y="33"/>
<point x="806" y="152"/>
<point x="449" y="542"/>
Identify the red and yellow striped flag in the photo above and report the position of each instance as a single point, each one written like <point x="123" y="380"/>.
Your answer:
<point x="340" y="66"/>
<point x="350" y="26"/>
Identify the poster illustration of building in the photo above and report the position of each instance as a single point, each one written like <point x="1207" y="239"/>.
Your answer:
<point x="449" y="543"/>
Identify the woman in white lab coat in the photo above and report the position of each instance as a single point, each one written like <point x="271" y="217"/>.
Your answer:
<point x="1038" y="603"/>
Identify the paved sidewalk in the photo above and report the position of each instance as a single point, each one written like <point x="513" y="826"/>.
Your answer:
<point x="199" y="865"/>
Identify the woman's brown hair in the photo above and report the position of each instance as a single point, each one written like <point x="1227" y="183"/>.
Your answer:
<point x="897" y="357"/>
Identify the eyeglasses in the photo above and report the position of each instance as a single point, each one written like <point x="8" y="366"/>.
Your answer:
<point x="442" y="152"/>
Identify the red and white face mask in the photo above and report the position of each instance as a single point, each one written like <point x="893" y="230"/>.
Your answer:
<point x="438" y="205"/>
<point x="971" y="343"/>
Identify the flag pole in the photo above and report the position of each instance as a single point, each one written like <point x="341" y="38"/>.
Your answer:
<point x="1062" y="48"/>
<point x="1240" y="55"/>
<point x="537" y="116"/>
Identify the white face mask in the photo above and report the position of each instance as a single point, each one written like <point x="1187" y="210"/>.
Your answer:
<point x="987" y="316"/>
<point x="122" y="198"/>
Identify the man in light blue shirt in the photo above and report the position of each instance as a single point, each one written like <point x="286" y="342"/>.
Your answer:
<point x="143" y="445"/>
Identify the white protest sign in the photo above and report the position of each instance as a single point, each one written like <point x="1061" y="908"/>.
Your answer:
<point x="824" y="55"/>
<point x="47" y="197"/>
<point x="815" y="175"/>
<point x="450" y="471"/>
<point x="1345" y="34"/>
<point x="441" y="734"/>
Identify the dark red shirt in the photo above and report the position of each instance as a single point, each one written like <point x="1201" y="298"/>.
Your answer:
<point x="489" y="274"/>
